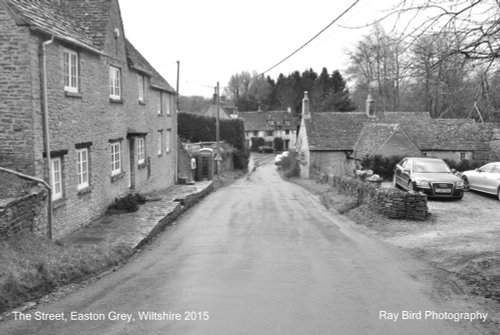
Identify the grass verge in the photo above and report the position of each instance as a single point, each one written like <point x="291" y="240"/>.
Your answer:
<point x="33" y="266"/>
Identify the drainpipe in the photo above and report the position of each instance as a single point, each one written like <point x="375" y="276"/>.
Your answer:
<point x="47" y="133"/>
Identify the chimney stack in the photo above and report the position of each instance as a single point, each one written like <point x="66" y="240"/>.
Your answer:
<point x="306" y="112"/>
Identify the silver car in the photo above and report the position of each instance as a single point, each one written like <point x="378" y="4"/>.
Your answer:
<point x="485" y="179"/>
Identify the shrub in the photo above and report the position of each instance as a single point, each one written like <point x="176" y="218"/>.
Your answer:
<point x="381" y="165"/>
<point x="290" y="165"/>
<point x="464" y="165"/>
<point x="278" y="143"/>
<point x="240" y="159"/>
<point x="128" y="203"/>
<point x="256" y="143"/>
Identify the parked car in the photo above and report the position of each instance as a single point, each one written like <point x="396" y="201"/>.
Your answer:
<point x="485" y="179"/>
<point x="265" y="149"/>
<point x="431" y="176"/>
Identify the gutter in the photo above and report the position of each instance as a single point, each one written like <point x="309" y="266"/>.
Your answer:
<point x="47" y="133"/>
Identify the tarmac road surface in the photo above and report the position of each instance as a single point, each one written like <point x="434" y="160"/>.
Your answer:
<point x="261" y="256"/>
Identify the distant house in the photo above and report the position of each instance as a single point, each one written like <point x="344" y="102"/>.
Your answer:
<point x="75" y="85"/>
<point x="333" y="142"/>
<point x="270" y="125"/>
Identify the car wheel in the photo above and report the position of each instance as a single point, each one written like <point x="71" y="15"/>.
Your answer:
<point x="410" y="187"/>
<point x="466" y="184"/>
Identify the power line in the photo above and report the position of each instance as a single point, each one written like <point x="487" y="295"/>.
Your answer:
<point x="312" y="39"/>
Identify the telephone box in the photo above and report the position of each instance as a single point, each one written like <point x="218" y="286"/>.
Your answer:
<point x="205" y="167"/>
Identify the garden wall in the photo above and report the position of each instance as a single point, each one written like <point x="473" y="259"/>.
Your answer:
<point x="22" y="214"/>
<point x="390" y="202"/>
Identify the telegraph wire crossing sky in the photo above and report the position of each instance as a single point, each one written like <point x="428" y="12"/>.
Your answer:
<point x="215" y="39"/>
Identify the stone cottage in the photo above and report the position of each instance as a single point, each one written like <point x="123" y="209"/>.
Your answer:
<point x="81" y="107"/>
<point x="270" y="125"/>
<point x="332" y="142"/>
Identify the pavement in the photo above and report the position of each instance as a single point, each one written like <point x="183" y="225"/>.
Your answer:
<point x="132" y="230"/>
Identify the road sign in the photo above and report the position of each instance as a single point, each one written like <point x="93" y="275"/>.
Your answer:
<point x="218" y="157"/>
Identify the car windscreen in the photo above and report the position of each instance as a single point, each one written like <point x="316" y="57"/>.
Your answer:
<point x="431" y="167"/>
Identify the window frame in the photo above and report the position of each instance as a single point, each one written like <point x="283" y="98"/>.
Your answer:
<point x="160" y="143"/>
<point x="82" y="168"/>
<point x="116" y="159"/>
<point x="115" y="83"/>
<point x="141" y="150"/>
<point x="142" y="88"/>
<point x="56" y="194"/>
<point x="168" y="140"/>
<point x="71" y="70"/>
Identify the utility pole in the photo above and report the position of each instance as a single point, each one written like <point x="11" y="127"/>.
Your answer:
<point x="217" y="125"/>
<point x="177" y="88"/>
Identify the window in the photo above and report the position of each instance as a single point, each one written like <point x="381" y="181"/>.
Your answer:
<point x="270" y="133"/>
<point x="115" y="83"/>
<point x="116" y="162"/>
<point x="287" y="132"/>
<point x="82" y="168"/>
<point x="167" y="141"/>
<point x="160" y="142"/>
<point x="57" y="191"/>
<point x="255" y="133"/>
<point x="70" y="65"/>
<point x="140" y="150"/>
<point x="462" y="156"/>
<point x="167" y="103"/>
<point x="141" y="88"/>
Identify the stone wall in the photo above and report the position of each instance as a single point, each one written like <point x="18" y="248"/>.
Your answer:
<point x="390" y="202"/>
<point x="21" y="204"/>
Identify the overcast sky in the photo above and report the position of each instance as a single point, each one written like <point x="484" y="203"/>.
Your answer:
<point x="218" y="38"/>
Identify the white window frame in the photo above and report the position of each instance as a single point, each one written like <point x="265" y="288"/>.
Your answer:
<point x="141" y="152"/>
<point x="167" y="140"/>
<point x="160" y="142"/>
<point x="82" y="168"/>
<point x="142" y="88"/>
<point x="167" y="103"/>
<point x="116" y="161"/>
<point x="57" y="182"/>
<point x="115" y="83"/>
<point x="71" y="70"/>
<point x="160" y="109"/>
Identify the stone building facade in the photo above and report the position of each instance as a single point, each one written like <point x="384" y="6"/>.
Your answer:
<point x="111" y="117"/>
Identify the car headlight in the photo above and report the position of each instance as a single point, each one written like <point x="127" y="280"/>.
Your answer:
<point x="459" y="184"/>
<point x="422" y="184"/>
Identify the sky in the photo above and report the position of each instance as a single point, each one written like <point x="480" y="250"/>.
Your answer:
<point x="215" y="39"/>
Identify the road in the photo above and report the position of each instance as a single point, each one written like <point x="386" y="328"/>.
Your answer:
<point x="261" y="256"/>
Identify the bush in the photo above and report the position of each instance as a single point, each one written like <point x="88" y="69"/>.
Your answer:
<point x="381" y="165"/>
<point x="240" y="159"/>
<point x="196" y="128"/>
<point x="278" y="143"/>
<point x="290" y="165"/>
<point x="464" y="165"/>
<point x="256" y="143"/>
<point x="128" y="203"/>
